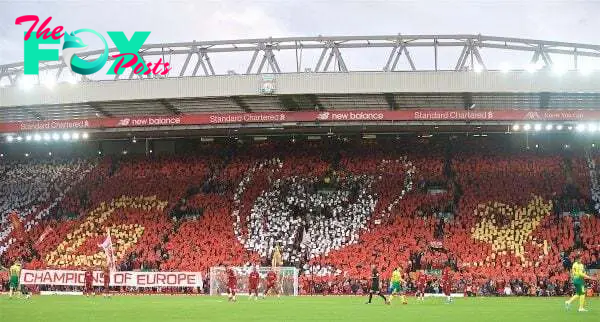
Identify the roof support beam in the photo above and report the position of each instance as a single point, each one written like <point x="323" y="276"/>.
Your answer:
<point x="268" y="59"/>
<point x="470" y="58"/>
<point x="395" y="57"/>
<point x="203" y="61"/>
<point x="261" y="57"/>
<point x="542" y="53"/>
<point x="335" y="56"/>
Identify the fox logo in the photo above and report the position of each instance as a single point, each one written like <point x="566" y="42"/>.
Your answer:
<point x="323" y="116"/>
<point x="124" y="122"/>
<point x="72" y="46"/>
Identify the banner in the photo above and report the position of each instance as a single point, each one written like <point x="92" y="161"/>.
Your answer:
<point x="515" y="115"/>
<point x="128" y="279"/>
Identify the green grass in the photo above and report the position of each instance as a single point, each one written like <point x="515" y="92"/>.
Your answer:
<point x="177" y="308"/>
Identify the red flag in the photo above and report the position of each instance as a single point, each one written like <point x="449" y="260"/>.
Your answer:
<point x="16" y="223"/>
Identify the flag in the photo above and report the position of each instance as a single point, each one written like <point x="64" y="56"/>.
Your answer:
<point x="16" y="223"/>
<point x="45" y="234"/>
<point x="305" y="238"/>
<point x="107" y="246"/>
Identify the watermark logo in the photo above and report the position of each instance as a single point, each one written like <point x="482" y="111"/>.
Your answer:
<point x="74" y="45"/>
<point x="128" y="56"/>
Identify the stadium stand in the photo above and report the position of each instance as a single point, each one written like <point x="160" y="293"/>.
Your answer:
<point x="496" y="216"/>
<point x="31" y="189"/>
<point x="506" y="203"/>
<point x="592" y="162"/>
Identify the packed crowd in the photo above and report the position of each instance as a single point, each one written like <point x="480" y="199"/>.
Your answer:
<point x="333" y="209"/>
<point x="400" y="229"/>
<point x="125" y="220"/>
<point x="504" y="217"/>
<point x="307" y="222"/>
<point x="132" y="196"/>
<point x="208" y="240"/>
<point x="594" y="176"/>
<point x="590" y="226"/>
<point x="32" y="188"/>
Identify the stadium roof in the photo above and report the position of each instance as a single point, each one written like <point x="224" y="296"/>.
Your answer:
<point x="337" y="53"/>
<point x="553" y="75"/>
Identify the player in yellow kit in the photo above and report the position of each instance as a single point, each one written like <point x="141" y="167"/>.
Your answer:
<point x="578" y="276"/>
<point x="396" y="285"/>
<point x="15" y="274"/>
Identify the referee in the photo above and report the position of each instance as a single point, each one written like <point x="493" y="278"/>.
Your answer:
<point x="375" y="289"/>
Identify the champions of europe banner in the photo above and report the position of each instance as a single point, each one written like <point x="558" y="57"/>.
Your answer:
<point x="127" y="279"/>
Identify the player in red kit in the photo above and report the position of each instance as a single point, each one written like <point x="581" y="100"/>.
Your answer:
<point x="271" y="283"/>
<point x="231" y="284"/>
<point x="106" y="277"/>
<point x="421" y="284"/>
<point x="253" y="280"/>
<point x="89" y="283"/>
<point x="447" y="284"/>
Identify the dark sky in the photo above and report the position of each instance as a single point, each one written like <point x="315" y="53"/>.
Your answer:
<point x="172" y="21"/>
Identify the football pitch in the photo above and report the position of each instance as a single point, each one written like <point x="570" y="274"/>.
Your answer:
<point x="197" y="308"/>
